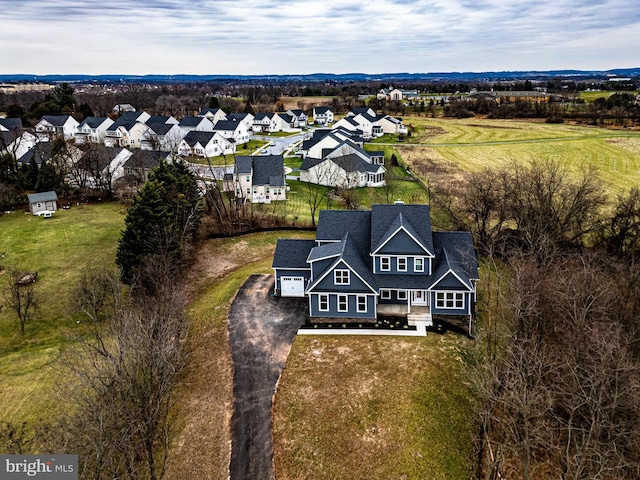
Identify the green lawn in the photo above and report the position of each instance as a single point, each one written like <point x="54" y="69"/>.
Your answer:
<point x="59" y="249"/>
<point x="472" y="144"/>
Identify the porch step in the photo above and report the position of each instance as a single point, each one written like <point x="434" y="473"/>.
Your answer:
<point x="415" y="319"/>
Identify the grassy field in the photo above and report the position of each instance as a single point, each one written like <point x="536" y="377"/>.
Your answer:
<point x="59" y="249"/>
<point x="374" y="407"/>
<point x="591" y="96"/>
<point x="473" y="144"/>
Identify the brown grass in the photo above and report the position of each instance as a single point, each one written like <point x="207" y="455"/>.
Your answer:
<point x="307" y="102"/>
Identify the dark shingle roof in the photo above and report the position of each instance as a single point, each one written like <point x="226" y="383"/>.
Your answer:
<point x="455" y="251"/>
<point x="40" y="152"/>
<point x="244" y="165"/>
<point x="56" y="120"/>
<point x="415" y="218"/>
<point x="93" y="122"/>
<point x="203" y="138"/>
<point x="292" y="253"/>
<point x="268" y="170"/>
<point x="225" y="125"/>
<point x="191" y="121"/>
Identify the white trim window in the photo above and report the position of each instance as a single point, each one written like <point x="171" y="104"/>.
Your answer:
<point x="451" y="300"/>
<point x="418" y="264"/>
<point x="343" y="303"/>
<point x="362" y="304"/>
<point x="402" y="295"/>
<point x="341" y="277"/>
<point x="385" y="264"/>
<point x="323" y="303"/>
<point x="402" y="264"/>
<point x="385" y="294"/>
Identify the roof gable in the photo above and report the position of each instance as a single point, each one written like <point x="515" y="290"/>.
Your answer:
<point x="414" y="219"/>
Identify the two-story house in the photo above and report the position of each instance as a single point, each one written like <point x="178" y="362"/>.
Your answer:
<point x="92" y="129"/>
<point x="322" y="115"/>
<point x="51" y="126"/>
<point x="386" y="261"/>
<point x="205" y="144"/>
<point x="259" y="179"/>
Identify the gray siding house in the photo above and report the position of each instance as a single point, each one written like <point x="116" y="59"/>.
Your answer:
<point x="386" y="261"/>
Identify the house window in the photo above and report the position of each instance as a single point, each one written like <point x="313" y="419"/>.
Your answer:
<point x="246" y="179"/>
<point x="385" y="264"/>
<point x="418" y="264"/>
<point x="385" y="294"/>
<point x="402" y="264"/>
<point x="402" y="294"/>
<point x="341" y="277"/>
<point x="362" y="304"/>
<point x="450" y="300"/>
<point x="248" y="191"/>
<point x="323" y="303"/>
<point x="342" y="303"/>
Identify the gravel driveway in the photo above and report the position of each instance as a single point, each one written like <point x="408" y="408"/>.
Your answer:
<point x="261" y="331"/>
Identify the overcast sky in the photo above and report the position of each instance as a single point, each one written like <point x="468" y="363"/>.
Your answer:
<point x="310" y="36"/>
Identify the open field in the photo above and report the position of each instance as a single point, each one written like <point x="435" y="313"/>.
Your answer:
<point x="591" y="96"/>
<point x="474" y="144"/>
<point x="59" y="249"/>
<point x="306" y="102"/>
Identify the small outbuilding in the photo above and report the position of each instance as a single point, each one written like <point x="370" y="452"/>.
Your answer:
<point x="44" y="201"/>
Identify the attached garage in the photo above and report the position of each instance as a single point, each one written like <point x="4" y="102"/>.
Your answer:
<point x="292" y="286"/>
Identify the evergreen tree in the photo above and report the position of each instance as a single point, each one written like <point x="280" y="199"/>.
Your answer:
<point x="162" y="220"/>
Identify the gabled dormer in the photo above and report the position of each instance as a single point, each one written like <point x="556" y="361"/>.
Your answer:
<point x="400" y="246"/>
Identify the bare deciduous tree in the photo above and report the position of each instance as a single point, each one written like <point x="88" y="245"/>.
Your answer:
<point x="21" y="298"/>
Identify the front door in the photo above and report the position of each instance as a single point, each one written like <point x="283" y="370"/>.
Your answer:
<point x="419" y="297"/>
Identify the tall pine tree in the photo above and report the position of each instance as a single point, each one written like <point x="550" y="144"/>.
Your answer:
<point x="162" y="220"/>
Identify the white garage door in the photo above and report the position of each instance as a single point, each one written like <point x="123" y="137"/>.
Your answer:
<point x="292" y="286"/>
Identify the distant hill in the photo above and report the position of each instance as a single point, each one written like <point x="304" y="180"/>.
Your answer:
<point x="343" y="77"/>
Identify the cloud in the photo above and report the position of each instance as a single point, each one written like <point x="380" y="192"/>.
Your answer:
<point x="301" y="36"/>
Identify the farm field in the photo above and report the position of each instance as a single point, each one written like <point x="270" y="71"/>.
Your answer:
<point x="59" y="249"/>
<point x="473" y="144"/>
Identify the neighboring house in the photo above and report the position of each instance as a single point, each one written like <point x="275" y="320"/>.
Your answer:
<point x="40" y="153"/>
<point x="262" y="122"/>
<point x="391" y="125"/>
<point x="92" y="130"/>
<point x="342" y="171"/>
<point x="259" y="179"/>
<point x="205" y="144"/>
<point x="386" y="261"/>
<point x="45" y="201"/>
<point x="236" y="131"/>
<point x="196" y="124"/>
<point x="322" y="115"/>
<point x="161" y="136"/>
<point x="245" y="118"/>
<point x="100" y="167"/>
<point x="123" y="108"/>
<point x="301" y="117"/>
<point x="135" y="170"/>
<point x="396" y="94"/>
<point x="51" y="126"/>
<point x="14" y="139"/>
<point x="283" y="122"/>
<point x="118" y="133"/>
<point x="213" y="114"/>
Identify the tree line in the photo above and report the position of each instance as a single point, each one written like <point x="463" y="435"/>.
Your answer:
<point x="556" y="367"/>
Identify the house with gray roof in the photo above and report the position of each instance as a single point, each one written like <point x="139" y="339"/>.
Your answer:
<point x="259" y="179"/>
<point x="198" y="124"/>
<point x="384" y="262"/>
<point x="51" y="126"/>
<point x="92" y="129"/>
<point x="322" y="115"/>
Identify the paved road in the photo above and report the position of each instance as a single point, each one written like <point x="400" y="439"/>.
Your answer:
<point x="261" y="331"/>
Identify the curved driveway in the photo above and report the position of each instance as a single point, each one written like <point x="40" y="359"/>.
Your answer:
<point x="261" y="331"/>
